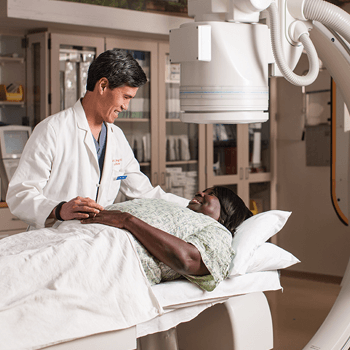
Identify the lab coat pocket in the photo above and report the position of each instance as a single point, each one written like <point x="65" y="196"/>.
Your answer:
<point x="117" y="178"/>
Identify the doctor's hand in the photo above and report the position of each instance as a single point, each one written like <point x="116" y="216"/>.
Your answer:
<point x="113" y="218"/>
<point x="79" y="208"/>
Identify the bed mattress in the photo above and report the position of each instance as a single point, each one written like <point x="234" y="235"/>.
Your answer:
<point x="182" y="301"/>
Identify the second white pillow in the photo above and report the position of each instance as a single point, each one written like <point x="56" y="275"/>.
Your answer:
<point x="251" y="234"/>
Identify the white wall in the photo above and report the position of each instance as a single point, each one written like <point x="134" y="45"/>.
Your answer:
<point x="76" y="16"/>
<point x="313" y="233"/>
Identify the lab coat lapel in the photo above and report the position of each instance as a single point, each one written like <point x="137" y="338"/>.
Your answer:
<point x="83" y="125"/>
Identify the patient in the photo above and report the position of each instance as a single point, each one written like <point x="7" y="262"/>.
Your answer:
<point x="173" y="241"/>
<point x="77" y="279"/>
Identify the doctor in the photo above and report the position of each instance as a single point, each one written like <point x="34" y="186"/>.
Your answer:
<point x="76" y="161"/>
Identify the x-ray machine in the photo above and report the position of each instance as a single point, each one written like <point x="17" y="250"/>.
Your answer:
<point x="227" y="55"/>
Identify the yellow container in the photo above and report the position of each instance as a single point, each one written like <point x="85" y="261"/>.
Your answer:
<point x="253" y="207"/>
<point x="11" y="96"/>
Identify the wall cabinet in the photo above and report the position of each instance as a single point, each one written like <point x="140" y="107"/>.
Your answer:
<point x="9" y="223"/>
<point x="12" y="87"/>
<point x="232" y="151"/>
<point x="57" y="71"/>
<point x="12" y="71"/>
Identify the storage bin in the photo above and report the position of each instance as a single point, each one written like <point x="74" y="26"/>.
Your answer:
<point x="11" y="96"/>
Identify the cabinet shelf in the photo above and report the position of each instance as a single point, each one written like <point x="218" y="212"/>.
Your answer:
<point x="145" y="164"/>
<point x="224" y="180"/>
<point x="260" y="177"/>
<point x="224" y="144"/>
<point x="4" y="60"/>
<point x="175" y="120"/>
<point x="9" y="103"/>
<point x="132" y="120"/>
<point x="181" y="162"/>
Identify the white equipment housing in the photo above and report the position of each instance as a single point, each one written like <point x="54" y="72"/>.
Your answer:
<point x="230" y="84"/>
<point x="226" y="59"/>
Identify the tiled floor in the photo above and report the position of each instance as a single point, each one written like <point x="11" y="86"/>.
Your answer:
<point x="299" y="310"/>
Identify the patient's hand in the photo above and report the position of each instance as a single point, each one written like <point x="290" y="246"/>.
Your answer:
<point x="113" y="218"/>
<point x="80" y="208"/>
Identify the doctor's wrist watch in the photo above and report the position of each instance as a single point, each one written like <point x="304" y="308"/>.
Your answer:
<point x="57" y="211"/>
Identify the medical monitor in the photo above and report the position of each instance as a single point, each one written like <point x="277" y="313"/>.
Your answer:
<point x="13" y="139"/>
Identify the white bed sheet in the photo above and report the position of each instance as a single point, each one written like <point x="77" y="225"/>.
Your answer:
<point x="57" y="285"/>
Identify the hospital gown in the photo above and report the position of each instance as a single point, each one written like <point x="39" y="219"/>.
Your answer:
<point x="211" y="238"/>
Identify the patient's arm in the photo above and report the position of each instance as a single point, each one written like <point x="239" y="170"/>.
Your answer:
<point x="179" y="255"/>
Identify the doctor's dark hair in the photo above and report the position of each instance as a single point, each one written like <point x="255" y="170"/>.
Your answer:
<point x="119" y="67"/>
<point x="233" y="211"/>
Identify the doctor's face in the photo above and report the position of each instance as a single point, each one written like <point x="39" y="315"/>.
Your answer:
<point x="115" y="101"/>
<point x="206" y="203"/>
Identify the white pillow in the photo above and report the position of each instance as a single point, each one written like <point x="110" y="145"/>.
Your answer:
<point x="270" y="257"/>
<point x="251" y="234"/>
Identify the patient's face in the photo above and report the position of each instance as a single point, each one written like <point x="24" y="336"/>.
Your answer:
<point x="206" y="203"/>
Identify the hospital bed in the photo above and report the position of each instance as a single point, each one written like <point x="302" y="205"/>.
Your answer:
<point x="64" y="289"/>
<point x="197" y="320"/>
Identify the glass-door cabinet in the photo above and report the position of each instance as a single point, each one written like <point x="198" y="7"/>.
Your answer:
<point x="239" y="157"/>
<point x="140" y="122"/>
<point x="71" y="56"/>
<point x="57" y="67"/>
<point x="259" y="167"/>
<point x="38" y="66"/>
<point x="181" y="145"/>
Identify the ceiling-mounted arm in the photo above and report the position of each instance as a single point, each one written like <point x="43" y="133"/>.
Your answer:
<point x="324" y="12"/>
<point x="328" y="21"/>
<point x="299" y="32"/>
<point x="303" y="11"/>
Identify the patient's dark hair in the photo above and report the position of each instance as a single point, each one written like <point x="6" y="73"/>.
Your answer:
<point x="233" y="211"/>
<point x="119" y="67"/>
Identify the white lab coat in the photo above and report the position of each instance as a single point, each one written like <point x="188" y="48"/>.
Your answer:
<point x="60" y="163"/>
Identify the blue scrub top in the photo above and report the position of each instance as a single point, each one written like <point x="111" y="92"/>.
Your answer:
<point x="101" y="147"/>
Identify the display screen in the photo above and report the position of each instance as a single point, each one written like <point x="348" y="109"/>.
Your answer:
<point x="15" y="141"/>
